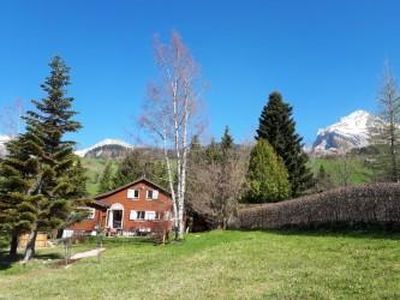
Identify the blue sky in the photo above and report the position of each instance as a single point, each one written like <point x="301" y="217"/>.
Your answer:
<point x="325" y="57"/>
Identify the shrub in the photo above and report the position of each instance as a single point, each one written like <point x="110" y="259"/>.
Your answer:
<point x="374" y="204"/>
<point x="267" y="176"/>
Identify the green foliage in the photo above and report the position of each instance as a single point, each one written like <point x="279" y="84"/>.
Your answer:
<point x="267" y="176"/>
<point x="105" y="183"/>
<point x="359" y="167"/>
<point x="323" y="179"/>
<point x="276" y="125"/>
<point x="40" y="171"/>
<point x="137" y="164"/>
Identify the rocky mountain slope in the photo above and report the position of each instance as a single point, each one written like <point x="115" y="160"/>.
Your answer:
<point x="352" y="131"/>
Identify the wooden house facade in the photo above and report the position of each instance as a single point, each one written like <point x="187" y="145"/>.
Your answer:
<point x="139" y="207"/>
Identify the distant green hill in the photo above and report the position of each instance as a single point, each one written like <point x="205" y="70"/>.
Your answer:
<point x="95" y="167"/>
<point x="353" y="170"/>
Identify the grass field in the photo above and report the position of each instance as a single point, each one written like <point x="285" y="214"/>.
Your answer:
<point x="358" y="172"/>
<point x="94" y="169"/>
<point x="222" y="265"/>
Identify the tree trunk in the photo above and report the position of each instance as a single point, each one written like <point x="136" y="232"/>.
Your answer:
<point x="30" y="246"/>
<point x="13" y="244"/>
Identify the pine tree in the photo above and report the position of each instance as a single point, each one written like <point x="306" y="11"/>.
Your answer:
<point x="267" y="176"/>
<point x="323" y="179"/>
<point x="226" y="142"/>
<point x="105" y="183"/>
<point x="53" y="156"/>
<point x="18" y="171"/>
<point x="277" y="126"/>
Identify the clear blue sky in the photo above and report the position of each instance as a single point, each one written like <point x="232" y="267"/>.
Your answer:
<point x="324" y="56"/>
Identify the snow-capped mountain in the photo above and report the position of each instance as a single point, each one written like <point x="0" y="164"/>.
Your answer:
<point x="352" y="131"/>
<point x="108" y="148"/>
<point x="3" y="140"/>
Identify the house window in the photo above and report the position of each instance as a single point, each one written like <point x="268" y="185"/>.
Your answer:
<point x="91" y="214"/>
<point x="150" y="215"/>
<point x="152" y="194"/>
<point x="137" y="215"/>
<point x="140" y="215"/>
<point x="133" y="194"/>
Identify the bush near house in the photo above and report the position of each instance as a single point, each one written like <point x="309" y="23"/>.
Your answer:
<point x="352" y="207"/>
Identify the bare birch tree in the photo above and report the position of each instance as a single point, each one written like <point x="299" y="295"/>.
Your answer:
<point x="169" y="115"/>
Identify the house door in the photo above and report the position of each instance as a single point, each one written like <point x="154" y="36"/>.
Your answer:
<point x="115" y="216"/>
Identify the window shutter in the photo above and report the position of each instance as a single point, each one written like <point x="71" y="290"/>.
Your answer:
<point x="155" y="194"/>
<point x="133" y="215"/>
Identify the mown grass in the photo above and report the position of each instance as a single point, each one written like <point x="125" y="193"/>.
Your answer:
<point x="224" y="265"/>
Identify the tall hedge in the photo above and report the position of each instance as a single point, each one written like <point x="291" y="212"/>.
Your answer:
<point x="374" y="204"/>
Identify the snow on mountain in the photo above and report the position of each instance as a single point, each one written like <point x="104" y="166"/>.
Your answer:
<point x="350" y="132"/>
<point x="109" y="148"/>
<point x="3" y="140"/>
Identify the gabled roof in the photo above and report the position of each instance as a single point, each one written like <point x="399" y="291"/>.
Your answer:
<point x="101" y="196"/>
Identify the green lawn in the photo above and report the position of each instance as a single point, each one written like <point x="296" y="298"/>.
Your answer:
<point x="229" y="265"/>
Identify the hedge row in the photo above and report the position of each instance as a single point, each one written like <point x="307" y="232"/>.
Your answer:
<point x="374" y="204"/>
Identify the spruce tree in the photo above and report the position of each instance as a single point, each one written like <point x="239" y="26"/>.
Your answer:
<point x="52" y="155"/>
<point x="105" y="183"/>
<point x="267" y="176"/>
<point x="18" y="171"/>
<point x="276" y="125"/>
<point x="226" y="141"/>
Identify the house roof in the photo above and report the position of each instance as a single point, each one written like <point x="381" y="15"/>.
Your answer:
<point x="101" y="196"/>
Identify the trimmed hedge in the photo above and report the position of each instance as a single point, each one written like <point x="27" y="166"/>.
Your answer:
<point x="351" y="207"/>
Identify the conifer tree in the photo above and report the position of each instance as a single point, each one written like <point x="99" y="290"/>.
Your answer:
<point x="51" y="155"/>
<point x="212" y="152"/>
<point x="18" y="171"/>
<point x="226" y="142"/>
<point x="105" y="183"/>
<point x="276" y="125"/>
<point x="267" y="176"/>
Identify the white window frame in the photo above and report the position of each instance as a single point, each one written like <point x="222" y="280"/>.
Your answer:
<point x="151" y="213"/>
<point x="133" y="215"/>
<point x="154" y="194"/>
<point x="92" y="213"/>
<point x="137" y="215"/>
<point x="134" y="192"/>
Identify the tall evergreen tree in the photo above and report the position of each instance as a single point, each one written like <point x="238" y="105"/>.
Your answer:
<point x="51" y="155"/>
<point x="267" y="176"/>
<point x="105" y="183"/>
<point x="276" y="125"/>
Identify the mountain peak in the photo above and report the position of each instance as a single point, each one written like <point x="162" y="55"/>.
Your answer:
<point x="352" y="131"/>
<point x="105" y="148"/>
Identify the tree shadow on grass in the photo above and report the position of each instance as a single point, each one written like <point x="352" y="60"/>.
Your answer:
<point x="6" y="261"/>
